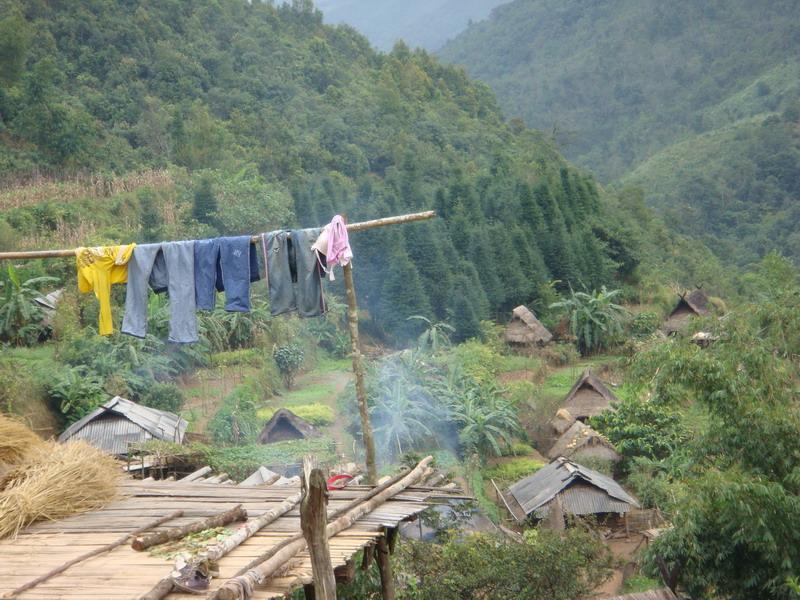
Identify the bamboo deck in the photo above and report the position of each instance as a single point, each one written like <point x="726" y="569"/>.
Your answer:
<point x="126" y="574"/>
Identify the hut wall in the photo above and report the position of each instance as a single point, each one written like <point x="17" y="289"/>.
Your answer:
<point x="282" y="431"/>
<point x="586" y="403"/>
<point x="594" y="451"/>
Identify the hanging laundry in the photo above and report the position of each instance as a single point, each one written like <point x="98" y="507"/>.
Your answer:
<point x="333" y="246"/>
<point x="228" y="264"/>
<point x="293" y="272"/>
<point x="164" y="267"/>
<point x="98" y="269"/>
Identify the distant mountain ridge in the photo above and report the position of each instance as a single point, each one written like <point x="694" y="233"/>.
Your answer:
<point x="424" y="23"/>
<point x="697" y="102"/>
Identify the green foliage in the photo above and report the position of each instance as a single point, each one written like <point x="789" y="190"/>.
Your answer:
<point x="15" y="38"/>
<point x="546" y="565"/>
<point x="163" y="396"/>
<point x="594" y="319"/>
<point x="251" y="146"/>
<point x="730" y="537"/>
<point x="236" y="421"/>
<point x="486" y="420"/>
<point x="644" y="324"/>
<point x="77" y="392"/>
<point x="20" y="316"/>
<point x="478" y="361"/>
<point x="240" y="461"/>
<point x="289" y="359"/>
<point x="639" y="428"/>
<point x="511" y="471"/>
<point x="316" y="414"/>
<point x="205" y="203"/>
<point x="436" y="336"/>
<point x="707" y="132"/>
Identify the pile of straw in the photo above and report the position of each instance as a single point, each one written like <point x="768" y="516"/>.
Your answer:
<point x="16" y="441"/>
<point x="55" y="481"/>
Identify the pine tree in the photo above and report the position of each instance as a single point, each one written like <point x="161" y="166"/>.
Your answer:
<point x="148" y="216"/>
<point x="403" y="295"/>
<point x="463" y="315"/>
<point x="204" y="208"/>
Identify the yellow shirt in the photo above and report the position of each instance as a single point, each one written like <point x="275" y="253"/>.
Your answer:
<point x="98" y="269"/>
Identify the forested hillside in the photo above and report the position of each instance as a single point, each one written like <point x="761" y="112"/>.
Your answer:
<point x="424" y="23"/>
<point x="287" y="121"/>
<point x="701" y="99"/>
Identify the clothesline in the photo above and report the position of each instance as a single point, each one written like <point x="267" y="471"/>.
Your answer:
<point x="420" y="216"/>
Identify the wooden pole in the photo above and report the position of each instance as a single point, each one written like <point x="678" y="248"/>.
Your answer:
<point x="34" y="582"/>
<point x="236" y="513"/>
<point x="358" y="372"/>
<point x="299" y="536"/>
<point x="313" y="522"/>
<point x="217" y="551"/>
<point x="385" y="568"/>
<point x="233" y="589"/>
<point x="398" y="220"/>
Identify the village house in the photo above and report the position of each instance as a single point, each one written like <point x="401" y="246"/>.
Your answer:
<point x="580" y="442"/>
<point x="566" y="488"/>
<point x="525" y="330"/>
<point x="285" y="425"/>
<point x="119" y="422"/>
<point x="689" y="306"/>
<point x="588" y="397"/>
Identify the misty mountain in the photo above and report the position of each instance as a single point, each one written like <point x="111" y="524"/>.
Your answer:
<point x="424" y="23"/>
<point x="695" y="101"/>
<point x="292" y="121"/>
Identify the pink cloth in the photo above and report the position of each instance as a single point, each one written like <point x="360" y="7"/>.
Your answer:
<point x="339" y="252"/>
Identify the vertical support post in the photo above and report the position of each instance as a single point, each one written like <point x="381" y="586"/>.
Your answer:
<point x="358" y="371"/>
<point x="313" y="522"/>
<point x="385" y="568"/>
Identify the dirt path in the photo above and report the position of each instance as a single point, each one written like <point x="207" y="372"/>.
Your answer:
<point x="335" y="382"/>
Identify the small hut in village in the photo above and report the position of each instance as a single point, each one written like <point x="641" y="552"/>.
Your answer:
<point x="566" y="488"/>
<point x="285" y="425"/>
<point x="526" y="330"/>
<point x="588" y="397"/>
<point x="580" y="442"/>
<point x="689" y="306"/>
<point x="120" y="422"/>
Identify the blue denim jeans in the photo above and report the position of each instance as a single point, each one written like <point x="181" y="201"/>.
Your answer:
<point x="226" y="264"/>
<point x="167" y="267"/>
<point x="293" y="272"/>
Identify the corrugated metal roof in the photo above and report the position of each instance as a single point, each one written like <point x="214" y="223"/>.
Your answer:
<point x="119" y="422"/>
<point x="535" y="491"/>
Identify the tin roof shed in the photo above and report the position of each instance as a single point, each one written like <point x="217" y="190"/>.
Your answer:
<point x="581" y="491"/>
<point x="120" y="422"/>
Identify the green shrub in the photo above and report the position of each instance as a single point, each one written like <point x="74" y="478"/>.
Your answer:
<point x="289" y="359"/>
<point x="478" y="360"/>
<point x="644" y="324"/>
<point x="251" y="357"/>
<point x="236" y="421"/>
<point x="76" y="391"/>
<point x="518" y="449"/>
<point x="512" y="471"/>
<point x="316" y="414"/>
<point x="163" y="396"/>
<point x="240" y="461"/>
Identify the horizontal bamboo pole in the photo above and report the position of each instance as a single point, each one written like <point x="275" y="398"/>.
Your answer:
<point x="409" y="218"/>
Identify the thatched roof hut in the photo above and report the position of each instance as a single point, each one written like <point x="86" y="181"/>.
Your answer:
<point x="568" y="488"/>
<point x="562" y="421"/>
<point x="525" y="329"/>
<point x="120" y="422"/>
<point x="285" y="425"/>
<point x="690" y="305"/>
<point x="588" y="397"/>
<point x="580" y="442"/>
